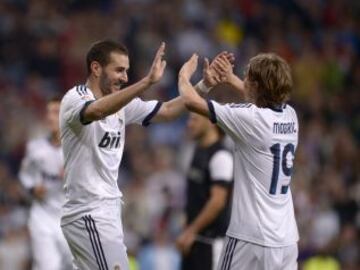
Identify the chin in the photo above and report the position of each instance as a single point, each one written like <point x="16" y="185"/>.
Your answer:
<point x="115" y="89"/>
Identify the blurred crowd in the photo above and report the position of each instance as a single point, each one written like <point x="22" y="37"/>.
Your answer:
<point x="42" y="49"/>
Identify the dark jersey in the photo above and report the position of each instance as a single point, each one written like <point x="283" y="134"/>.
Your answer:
<point x="210" y="166"/>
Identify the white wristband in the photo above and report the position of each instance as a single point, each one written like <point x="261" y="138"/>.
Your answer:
<point x="202" y="87"/>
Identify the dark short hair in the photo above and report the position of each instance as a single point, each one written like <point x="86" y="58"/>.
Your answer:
<point x="100" y="52"/>
<point x="273" y="77"/>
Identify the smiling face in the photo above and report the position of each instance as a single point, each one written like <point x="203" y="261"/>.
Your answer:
<point x="107" y="65"/>
<point x="114" y="74"/>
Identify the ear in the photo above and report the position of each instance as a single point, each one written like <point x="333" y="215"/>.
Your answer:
<point x="96" y="68"/>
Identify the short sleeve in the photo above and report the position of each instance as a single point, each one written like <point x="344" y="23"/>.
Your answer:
<point x="29" y="173"/>
<point x="235" y="119"/>
<point x="74" y="104"/>
<point x="221" y="167"/>
<point x="141" y="112"/>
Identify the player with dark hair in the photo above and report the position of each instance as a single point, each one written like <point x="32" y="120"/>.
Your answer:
<point x="209" y="185"/>
<point x="41" y="174"/>
<point x="262" y="233"/>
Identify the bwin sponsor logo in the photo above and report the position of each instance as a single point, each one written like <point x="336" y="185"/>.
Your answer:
<point x="110" y="141"/>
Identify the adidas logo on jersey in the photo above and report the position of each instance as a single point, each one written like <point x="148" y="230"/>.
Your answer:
<point x="110" y="141"/>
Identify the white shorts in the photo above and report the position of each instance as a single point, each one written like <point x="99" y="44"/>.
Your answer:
<point x="97" y="241"/>
<point x="241" y="255"/>
<point x="48" y="245"/>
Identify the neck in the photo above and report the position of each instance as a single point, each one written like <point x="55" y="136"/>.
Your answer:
<point x="94" y="87"/>
<point x="55" y="138"/>
<point x="209" y="138"/>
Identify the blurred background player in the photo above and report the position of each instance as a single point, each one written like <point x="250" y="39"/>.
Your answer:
<point x="42" y="175"/>
<point x="209" y="186"/>
<point x="262" y="233"/>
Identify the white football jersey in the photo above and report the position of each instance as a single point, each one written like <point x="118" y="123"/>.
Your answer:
<point x="265" y="144"/>
<point x="43" y="165"/>
<point x="93" y="151"/>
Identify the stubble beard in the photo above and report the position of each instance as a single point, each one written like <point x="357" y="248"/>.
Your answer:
<point x="105" y="84"/>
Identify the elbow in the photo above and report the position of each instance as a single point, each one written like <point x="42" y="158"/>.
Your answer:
<point x="166" y="114"/>
<point x="93" y="113"/>
<point x="218" y="204"/>
<point x="190" y="105"/>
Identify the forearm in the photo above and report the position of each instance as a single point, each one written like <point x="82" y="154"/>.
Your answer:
<point x="112" y="103"/>
<point x="192" y="100"/>
<point x="237" y="84"/>
<point x="170" y="110"/>
<point x="207" y="215"/>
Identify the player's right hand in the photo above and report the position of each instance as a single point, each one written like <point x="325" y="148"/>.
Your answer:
<point x="188" y="69"/>
<point x="158" y="65"/>
<point x="219" y="70"/>
<point x="223" y="67"/>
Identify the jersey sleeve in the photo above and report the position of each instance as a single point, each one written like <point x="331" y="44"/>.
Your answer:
<point x="141" y="112"/>
<point x="74" y="104"/>
<point x="235" y="119"/>
<point x="221" y="167"/>
<point x="29" y="173"/>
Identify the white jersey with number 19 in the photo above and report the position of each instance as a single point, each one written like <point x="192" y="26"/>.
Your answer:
<point x="93" y="151"/>
<point x="265" y="143"/>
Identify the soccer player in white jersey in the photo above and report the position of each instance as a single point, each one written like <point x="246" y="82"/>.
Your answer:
<point x="262" y="233"/>
<point x="92" y="124"/>
<point x="41" y="174"/>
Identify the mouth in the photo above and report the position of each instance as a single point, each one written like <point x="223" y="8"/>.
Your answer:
<point x="117" y="87"/>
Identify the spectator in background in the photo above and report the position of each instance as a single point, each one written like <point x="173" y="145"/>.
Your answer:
<point x="209" y="186"/>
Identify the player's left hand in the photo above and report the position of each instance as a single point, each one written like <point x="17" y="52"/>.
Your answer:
<point x="158" y="65"/>
<point x="185" y="241"/>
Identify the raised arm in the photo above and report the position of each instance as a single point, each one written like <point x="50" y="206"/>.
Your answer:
<point x="192" y="100"/>
<point x="172" y="109"/>
<point x="211" y="77"/>
<point x="224" y="69"/>
<point x="112" y="103"/>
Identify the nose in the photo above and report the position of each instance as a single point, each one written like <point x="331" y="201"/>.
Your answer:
<point x="124" y="77"/>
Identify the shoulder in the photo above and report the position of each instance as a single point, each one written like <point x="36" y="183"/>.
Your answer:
<point x="221" y="155"/>
<point x="38" y="142"/>
<point x="78" y="92"/>
<point x="241" y="105"/>
<point x="290" y="110"/>
<point x="221" y="165"/>
<point x="35" y="146"/>
<point x="233" y="106"/>
<point x="234" y="111"/>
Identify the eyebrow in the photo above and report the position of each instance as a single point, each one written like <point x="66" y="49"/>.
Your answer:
<point x="122" y="68"/>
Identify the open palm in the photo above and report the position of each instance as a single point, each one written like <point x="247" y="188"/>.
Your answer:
<point x="158" y="65"/>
